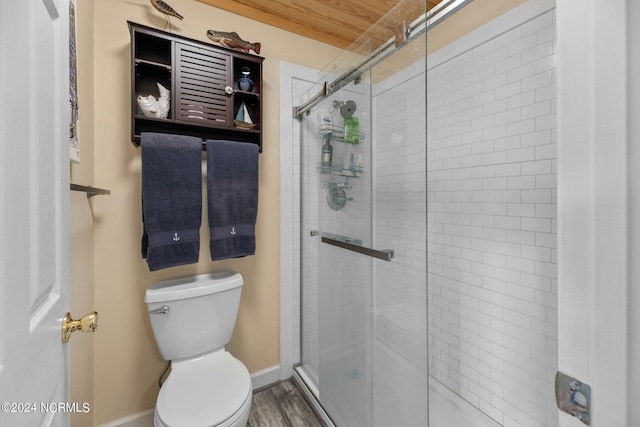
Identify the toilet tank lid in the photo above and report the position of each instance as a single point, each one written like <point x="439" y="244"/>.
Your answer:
<point x="193" y="286"/>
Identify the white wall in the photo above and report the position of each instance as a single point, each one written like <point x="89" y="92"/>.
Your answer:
<point x="598" y="200"/>
<point x="491" y="151"/>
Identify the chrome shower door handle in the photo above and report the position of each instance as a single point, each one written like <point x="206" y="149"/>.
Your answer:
<point x="162" y="310"/>
<point x="383" y="254"/>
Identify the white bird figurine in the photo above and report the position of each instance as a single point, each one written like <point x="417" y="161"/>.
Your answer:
<point x="152" y="107"/>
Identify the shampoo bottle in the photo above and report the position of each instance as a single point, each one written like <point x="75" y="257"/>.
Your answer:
<point x="327" y="152"/>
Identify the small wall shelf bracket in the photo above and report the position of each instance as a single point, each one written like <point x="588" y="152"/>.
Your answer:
<point x="91" y="191"/>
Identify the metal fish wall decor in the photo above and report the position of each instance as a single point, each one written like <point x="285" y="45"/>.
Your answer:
<point x="233" y="40"/>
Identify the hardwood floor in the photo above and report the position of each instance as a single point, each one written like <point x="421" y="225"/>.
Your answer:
<point x="282" y="405"/>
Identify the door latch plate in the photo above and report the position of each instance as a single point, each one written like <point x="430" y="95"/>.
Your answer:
<point x="573" y="397"/>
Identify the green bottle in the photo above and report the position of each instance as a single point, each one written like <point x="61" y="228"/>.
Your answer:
<point x="352" y="130"/>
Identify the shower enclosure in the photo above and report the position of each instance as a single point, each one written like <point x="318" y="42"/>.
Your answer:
<point x="364" y="229"/>
<point x="427" y="210"/>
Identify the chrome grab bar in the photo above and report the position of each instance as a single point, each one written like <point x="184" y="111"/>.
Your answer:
<point x="383" y="254"/>
<point x="162" y="310"/>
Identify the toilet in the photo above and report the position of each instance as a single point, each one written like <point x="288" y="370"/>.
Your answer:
<point x="192" y="320"/>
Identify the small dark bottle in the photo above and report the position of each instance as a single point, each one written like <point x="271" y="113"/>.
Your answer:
<point x="327" y="152"/>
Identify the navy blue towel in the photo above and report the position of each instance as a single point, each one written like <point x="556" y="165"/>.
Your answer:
<point x="232" y="189"/>
<point x="171" y="199"/>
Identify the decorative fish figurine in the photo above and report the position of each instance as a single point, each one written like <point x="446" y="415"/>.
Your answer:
<point x="165" y="9"/>
<point x="233" y="41"/>
<point x="152" y="107"/>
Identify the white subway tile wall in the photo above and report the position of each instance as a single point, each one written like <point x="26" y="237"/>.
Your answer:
<point x="491" y="194"/>
<point x="400" y="212"/>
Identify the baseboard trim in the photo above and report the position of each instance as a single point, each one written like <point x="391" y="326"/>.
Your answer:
<point x="259" y="379"/>
<point x="139" y="419"/>
<point x="265" y="377"/>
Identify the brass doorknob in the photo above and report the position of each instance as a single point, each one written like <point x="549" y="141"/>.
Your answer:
<point x="87" y="323"/>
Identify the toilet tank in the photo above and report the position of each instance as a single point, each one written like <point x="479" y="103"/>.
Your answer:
<point x="194" y="315"/>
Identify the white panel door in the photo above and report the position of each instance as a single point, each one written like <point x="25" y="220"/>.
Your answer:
<point x="34" y="211"/>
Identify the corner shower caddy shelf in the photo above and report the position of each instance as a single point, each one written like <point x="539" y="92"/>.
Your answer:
<point x="337" y="169"/>
<point x="336" y="132"/>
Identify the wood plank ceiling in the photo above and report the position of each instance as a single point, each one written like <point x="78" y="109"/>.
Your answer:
<point x="336" y="22"/>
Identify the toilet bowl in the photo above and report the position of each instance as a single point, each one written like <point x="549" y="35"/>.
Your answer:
<point x="192" y="320"/>
<point x="214" y="390"/>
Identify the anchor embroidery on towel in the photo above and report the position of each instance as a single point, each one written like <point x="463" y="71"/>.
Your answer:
<point x="176" y="237"/>
<point x="233" y="231"/>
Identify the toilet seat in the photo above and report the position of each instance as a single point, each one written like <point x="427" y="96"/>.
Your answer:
<point x="211" y="390"/>
<point x="239" y="419"/>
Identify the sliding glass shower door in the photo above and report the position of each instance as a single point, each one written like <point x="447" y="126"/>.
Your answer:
<point x="363" y="232"/>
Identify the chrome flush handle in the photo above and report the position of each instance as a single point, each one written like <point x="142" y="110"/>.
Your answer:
<point x="162" y="310"/>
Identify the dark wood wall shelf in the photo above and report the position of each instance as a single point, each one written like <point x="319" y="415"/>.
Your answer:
<point x="203" y="80"/>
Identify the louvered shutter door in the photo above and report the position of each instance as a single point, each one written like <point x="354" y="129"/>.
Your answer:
<point x="202" y="75"/>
